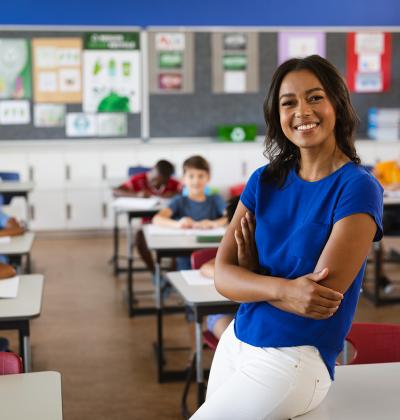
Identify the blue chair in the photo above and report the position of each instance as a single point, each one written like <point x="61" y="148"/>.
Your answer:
<point x="5" y="198"/>
<point x="134" y="170"/>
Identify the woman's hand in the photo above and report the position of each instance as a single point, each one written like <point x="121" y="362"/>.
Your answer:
<point x="246" y="244"/>
<point x="186" y="223"/>
<point x="304" y="296"/>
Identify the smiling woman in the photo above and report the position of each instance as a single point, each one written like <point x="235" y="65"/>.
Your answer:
<point x="312" y="213"/>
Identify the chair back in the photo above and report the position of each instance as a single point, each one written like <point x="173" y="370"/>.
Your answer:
<point x="10" y="363"/>
<point x="5" y="198"/>
<point x="375" y="343"/>
<point x="134" y="170"/>
<point x="198" y="258"/>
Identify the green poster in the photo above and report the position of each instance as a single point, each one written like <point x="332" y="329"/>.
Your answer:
<point x="111" y="41"/>
<point x="15" y="69"/>
<point x="235" y="61"/>
<point x="170" y="60"/>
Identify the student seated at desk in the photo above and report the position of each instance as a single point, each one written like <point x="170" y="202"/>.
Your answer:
<point x="9" y="226"/>
<point x="217" y="323"/>
<point x="158" y="182"/>
<point x="6" y="271"/>
<point x="388" y="174"/>
<point x="196" y="210"/>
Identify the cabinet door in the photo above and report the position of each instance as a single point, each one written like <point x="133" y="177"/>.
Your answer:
<point x="107" y="210"/>
<point x="83" y="209"/>
<point x="47" y="210"/>
<point x="14" y="162"/>
<point x="115" y="164"/>
<point x="82" y="169"/>
<point x="46" y="170"/>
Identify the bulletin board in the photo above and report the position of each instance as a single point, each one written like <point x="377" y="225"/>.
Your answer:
<point x="70" y="84"/>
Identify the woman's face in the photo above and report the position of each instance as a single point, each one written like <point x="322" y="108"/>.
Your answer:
<point x="307" y="116"/>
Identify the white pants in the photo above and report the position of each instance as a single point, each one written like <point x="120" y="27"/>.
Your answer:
<point x="254" y="383"/>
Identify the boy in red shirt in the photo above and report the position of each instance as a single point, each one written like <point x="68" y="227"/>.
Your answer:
<point x="158" y="182"/>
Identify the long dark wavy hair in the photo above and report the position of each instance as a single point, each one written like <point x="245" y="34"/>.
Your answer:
<point x="281" y="152"/>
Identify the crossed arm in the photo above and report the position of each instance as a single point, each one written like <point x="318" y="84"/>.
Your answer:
<point x="316" y="295"/>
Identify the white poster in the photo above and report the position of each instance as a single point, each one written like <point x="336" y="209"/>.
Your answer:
<point x="49" y="115"/>
<point x="373" y="43"/>
<point x="369" y="63"/>
<point x="368" y="82"/>
<point x="15" y="112"/>
<point x="111" y="81"/>
<point x="79" y="124"/>
<point x="302" y="46"/>
<point x="234" y="81"/>
<point x="167" y="41"/>
<point x="112" y="124"/>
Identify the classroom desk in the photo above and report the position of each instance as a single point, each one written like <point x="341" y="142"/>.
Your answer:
<point x="204" y="300"/>
<point x="168" y="246"/>
<point x="18" y="189"/>
<point x="19" y="246"/>
<point x="132" y="213"/>
<point x="361" y="392"/>
<point x="31" y="396"/>
<point x="375" y="295"/>
<point x="16" y="313"/>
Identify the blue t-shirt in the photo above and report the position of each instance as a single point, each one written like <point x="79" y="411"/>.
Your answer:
<point x="293" y="224"/>
<point x="4" y="218"/>
<point x="211" y="208"/>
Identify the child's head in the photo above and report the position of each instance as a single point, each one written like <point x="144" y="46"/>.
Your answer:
<point x="160" y="174"/>
<point x="196" y="174"/>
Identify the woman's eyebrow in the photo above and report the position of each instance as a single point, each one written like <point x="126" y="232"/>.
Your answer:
<point x="308" y="91"/>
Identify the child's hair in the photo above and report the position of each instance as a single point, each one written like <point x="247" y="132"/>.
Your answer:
<point x="165" y="168"/>
<point x="281" y="152"/>
<point x="231" y="207"/>
<point x="196" y="162"/>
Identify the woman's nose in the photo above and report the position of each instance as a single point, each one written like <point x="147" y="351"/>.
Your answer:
<point x="303" y="109"/>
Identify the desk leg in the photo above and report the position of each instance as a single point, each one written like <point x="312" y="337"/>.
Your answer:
<point x="199" y="362"/>
<point x="159" y="345"/>
<point x="116" y="244"/>
<point x="130" y="266"/>
<point x="378" y="270"/>
<point x="28" y="263"/>
<point x="24" y="345"/>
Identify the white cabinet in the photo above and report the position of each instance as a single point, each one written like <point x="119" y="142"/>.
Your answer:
<point x="83" y="169"/>
<point x="83" y="208"/>
<point x="115" y="164"/>
<point x="46" y="169"/>
<point x="107" y="210"/>
<point x="14" y="162"/>
<point x="47" y="210"/>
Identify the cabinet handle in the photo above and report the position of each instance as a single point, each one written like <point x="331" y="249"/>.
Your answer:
<point x="67" y="172"/>
<point x="31" y="212"/>
<point x="68" y="209"/>
<point x="105" y="211"/>
<point x="104" y="171"/>
<point x="31" y="173"/>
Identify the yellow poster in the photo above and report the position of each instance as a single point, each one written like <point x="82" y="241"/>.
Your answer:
<point x="57" y="71"/>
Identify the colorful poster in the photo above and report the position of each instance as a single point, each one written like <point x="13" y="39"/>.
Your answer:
<point x="166" y="41"/>
<point x="49" y="115"/>
<point x="112" y="124"/>
<point x="170" y="60"/>
<point x="57" y="70"/>
<point x="15" y="69"/>
<point x="300" y="44"/>
<point x="112" y="72"/>
<point x="235" y="41"/>
<point x="79" y="124"/>
<point x="170" y="81"/>
<point x="369" y="59"/>
<point x="15" y="112"/>
<point x="234" y="62"/>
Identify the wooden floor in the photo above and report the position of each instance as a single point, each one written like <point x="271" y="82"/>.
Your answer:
<point x="105" y="357"/>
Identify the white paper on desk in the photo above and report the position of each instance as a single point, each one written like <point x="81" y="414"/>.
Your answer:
<point x="9" y="287"/>
<point x="195" y="278"/>
<point x="163" y="231"/>
<point x="135" y="203"/>
<point x="5" y="239"/>
<point x="392" y="194"/>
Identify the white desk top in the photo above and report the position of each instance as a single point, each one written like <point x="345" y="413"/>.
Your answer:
<point x="31" y="396"/>
<point x="174" y="242"/>
<point x="27" y="304"/>
<point x="196" y="295"/>
<point x="19" y="245"/>
<point x="136" y="204"/>
<point x="361" y="392"/>
<point x="16" y="186"/>
<point x="390" y="201"/>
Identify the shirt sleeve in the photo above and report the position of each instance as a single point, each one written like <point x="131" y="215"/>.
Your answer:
<point x="4" y="218"/>
<point x="220" y="205"/>
<point x="248" y="196"/>
<point x="175" y="205"/>
<point x="130" y="184"/>
<point x="362" y="195"/>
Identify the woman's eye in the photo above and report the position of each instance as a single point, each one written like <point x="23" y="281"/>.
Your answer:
<point x="287" y="103"/>
<point x="315" y="98"/>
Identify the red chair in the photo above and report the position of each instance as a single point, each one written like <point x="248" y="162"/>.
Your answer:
<point x="198" y="258"/>
<point x="236" y="190"/>
<point x="10" y="363"/>
<point x="375" y="343"/>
